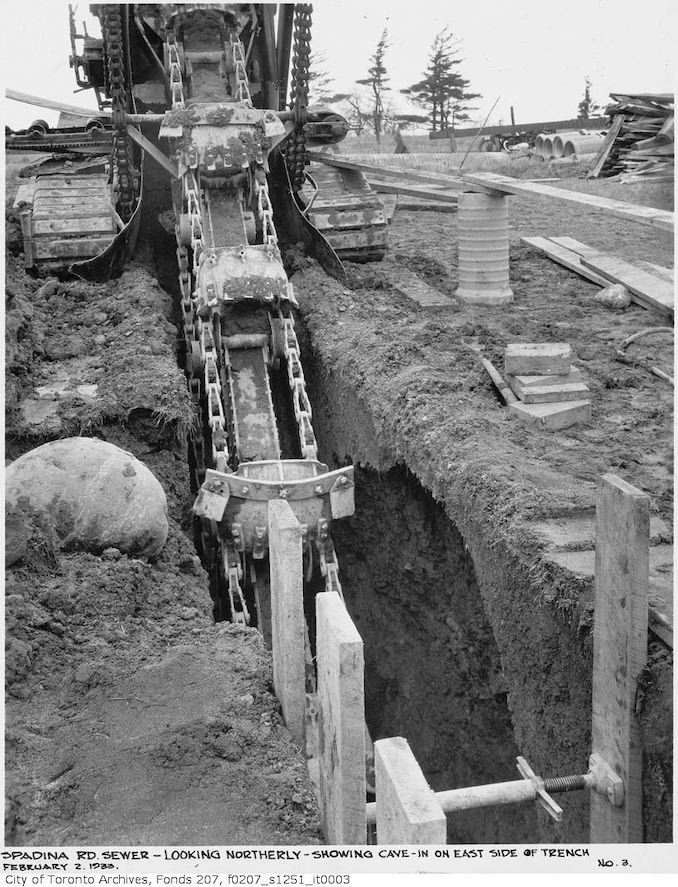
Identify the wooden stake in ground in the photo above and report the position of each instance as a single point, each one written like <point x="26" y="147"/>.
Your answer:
<point x="341" y="703"/>
<point x="287" y="615"/>
<point x="407" y="809"/>
<point x="619" y="651"/>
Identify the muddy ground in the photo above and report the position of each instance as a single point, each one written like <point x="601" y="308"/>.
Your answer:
<point x="131" y="718"/>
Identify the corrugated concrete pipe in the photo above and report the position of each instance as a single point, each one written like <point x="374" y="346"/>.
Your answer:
<point x="547" y="151"/>
<point x="582" y="145"/>
<point x="539" y="144"/>
<point x="559" y="140"/>
<point x="482" y="233"/>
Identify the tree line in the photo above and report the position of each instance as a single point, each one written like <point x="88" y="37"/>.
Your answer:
<point x="441" y="92"/>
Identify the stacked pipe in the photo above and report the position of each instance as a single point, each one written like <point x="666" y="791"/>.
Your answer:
<point x="587" y="143"/>
<point x="567" y="144"/>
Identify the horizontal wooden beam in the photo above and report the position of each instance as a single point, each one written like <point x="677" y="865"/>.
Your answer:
<point x="647" y="215"/>
<point x="410" y="190"/>
<point x="167" y="164"/>
<point x="565" y="257"/>
<point x="650" y="290"/>
<point x="380" y="171"/>
<point x="74" y="110"/>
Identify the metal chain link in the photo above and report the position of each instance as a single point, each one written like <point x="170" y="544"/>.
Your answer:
<point x="241" y="81"/>
<point x="111" y="28"/>
<point x="295" y="154"/>
<point x="205" y="377"/>
<point x="297" y="382"/>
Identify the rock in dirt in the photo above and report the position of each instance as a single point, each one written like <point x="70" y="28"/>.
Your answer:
<point x="17" y="535"/>
<point x="90" y="494"/>
<point x="614" y="296"/>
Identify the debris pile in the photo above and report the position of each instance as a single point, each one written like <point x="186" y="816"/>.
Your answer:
<point x="639" y="144"/>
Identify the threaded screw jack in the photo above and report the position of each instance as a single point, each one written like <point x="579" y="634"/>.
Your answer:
<point x="557" y="784"/>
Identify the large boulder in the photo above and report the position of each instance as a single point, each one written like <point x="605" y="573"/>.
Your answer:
<point x="90" y="494"/>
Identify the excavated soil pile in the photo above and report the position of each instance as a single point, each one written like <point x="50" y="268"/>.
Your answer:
<point x="396" y="386"/>
<point x="130" y="717"/>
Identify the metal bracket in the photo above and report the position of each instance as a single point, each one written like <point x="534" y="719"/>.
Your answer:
<point x="543" y="797"/>
<point x="260" y="543"/>
<point x="342" y="501"/>
<point x="212" y="499"/>
<point x="603" y="780"/>
<point x="237" y="538"/>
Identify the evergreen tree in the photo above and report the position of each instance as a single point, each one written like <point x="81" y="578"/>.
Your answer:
<point x="319" y="79"/>
<point x="377" y="80"/>
<point x="587" y="107"/>
<point x="443" y="90"/>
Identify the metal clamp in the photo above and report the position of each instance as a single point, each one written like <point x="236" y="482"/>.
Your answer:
<point x="603" y="780"/>
<point x="542" y="796"/>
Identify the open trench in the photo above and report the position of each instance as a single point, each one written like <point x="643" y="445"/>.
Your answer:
<point x="458" y="659"/>
<point x="432" y="669"/>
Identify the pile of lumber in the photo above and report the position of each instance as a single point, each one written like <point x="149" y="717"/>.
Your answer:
<point x="639" y="143"/>
<point x="548" y="389"/>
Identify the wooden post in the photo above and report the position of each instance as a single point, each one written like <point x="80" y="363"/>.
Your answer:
<point x="287" y="615"/>
<point x="341" y="704"/>
<point x="619" y="651"/>
<point x="407" y="809"/>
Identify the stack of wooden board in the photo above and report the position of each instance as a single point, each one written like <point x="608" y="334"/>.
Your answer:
<point x="551" y="391"/>
<point x="639" y="144"/>
<point x="649" y="285"/>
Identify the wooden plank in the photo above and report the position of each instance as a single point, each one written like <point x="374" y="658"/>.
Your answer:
<point x="408" y="190"/>
<point x="576" y="246"/>
<point x="583" y="250"/>
<point x="564" y="257"/>
<point x="541" y="358"/>
<point x="412" y="287"/>
<point x="535" y="381"/>
<point x="619" y="652"/>
<point x="653" y="290"/>
<point x="380" y="171"/>
<point x="658" y="270"/>
<point x="407" y="809"/>
<point x="657" y="218"/>
<point x="73" y="225"/>
<point x="605" y="148"/>
<point x="287" y="616"/>
<point x="165" y="162"/>
<point x="551" y="389"/>
<point x="552" y="416"/>
<point x="341" y="719"/>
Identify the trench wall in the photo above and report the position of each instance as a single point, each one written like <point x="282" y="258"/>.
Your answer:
<point x="542" y="664"/>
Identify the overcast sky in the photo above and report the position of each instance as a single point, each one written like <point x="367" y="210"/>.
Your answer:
<point x="532" y="54"/>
